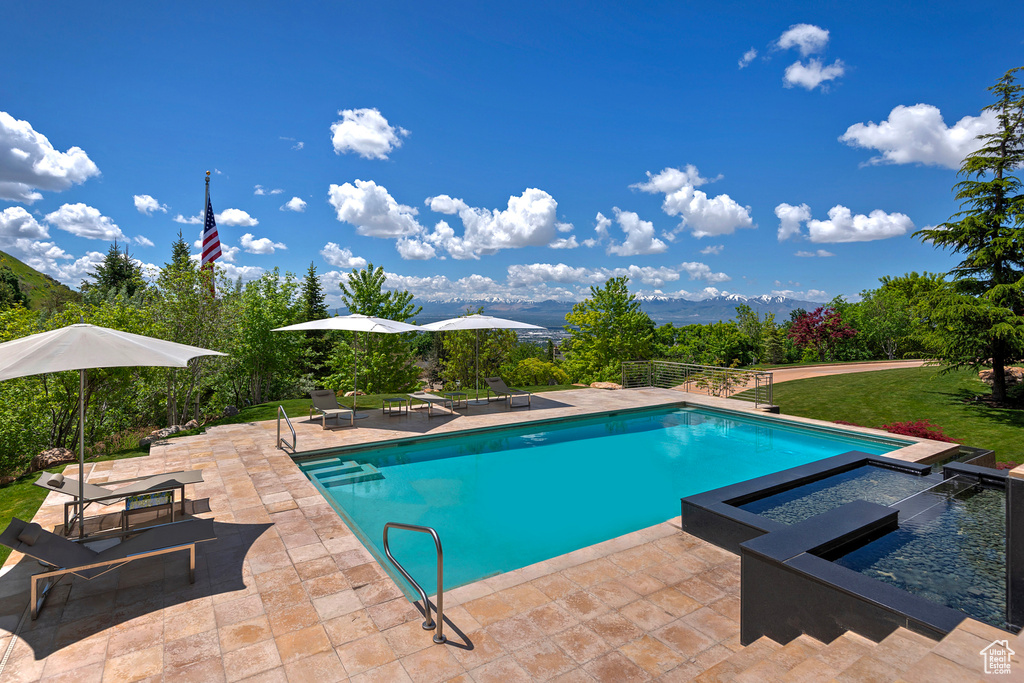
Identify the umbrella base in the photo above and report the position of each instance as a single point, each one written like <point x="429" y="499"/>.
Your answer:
<point x="360" y="416"/>
<point x="479" y="402"/>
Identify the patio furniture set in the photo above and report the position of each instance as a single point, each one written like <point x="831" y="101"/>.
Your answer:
<point x="325" y="402"/>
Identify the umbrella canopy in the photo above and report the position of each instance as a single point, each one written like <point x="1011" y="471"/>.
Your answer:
<point x="81" y="347"/>
<point x="478" y="322"/>
<point x="356" y="322"/>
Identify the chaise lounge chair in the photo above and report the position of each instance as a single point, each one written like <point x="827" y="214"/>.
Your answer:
<point x="157" y="483"/>
<point x="497" y="385"/>
<point x="325" y="402"/>
<point x="431" y="399"/>
<point x="64" y="556"/>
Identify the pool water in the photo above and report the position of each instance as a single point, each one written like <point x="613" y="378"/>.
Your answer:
<point x="950" y="549"/>
<point x="501" y="500"/>
<point x="872" y="483"/>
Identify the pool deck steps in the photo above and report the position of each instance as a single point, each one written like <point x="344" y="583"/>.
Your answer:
<point x="349" y="472"/>
<point x="901" y="656"/>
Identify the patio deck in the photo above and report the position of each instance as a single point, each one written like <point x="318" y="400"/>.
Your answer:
<point x="287" y="592"/>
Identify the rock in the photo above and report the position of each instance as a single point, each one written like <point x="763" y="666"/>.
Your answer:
<point x="605" y="385"/>
<point x="54" y="456"/>
<point x="355" y="393"/>
<point x="230" y="411"/>
<point x="191" y="424"/>
<point x="577" y="384"/>
<point x="1014" y="375"/>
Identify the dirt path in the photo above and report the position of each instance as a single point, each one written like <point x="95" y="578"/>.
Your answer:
<point x="789" y="374"/>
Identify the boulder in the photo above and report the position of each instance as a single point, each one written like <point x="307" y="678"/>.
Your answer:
<point x="1014" y="375"/>
<point x="230" y="411"/>
<point x="355" y="393"/>
<point x="54" y="456"/>
<point x="605" y="385"/>
<point x="191" y="424"/>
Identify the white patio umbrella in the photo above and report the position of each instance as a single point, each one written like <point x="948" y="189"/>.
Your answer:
<point x="478" y="322"/>
<point x="356" y="322"/>
<point x="81" y="347"/>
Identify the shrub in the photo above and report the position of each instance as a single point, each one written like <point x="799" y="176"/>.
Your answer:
<point x="535" y="372"/>
<point x="922" y="429"/>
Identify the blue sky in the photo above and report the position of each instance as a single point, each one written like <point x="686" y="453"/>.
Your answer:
<point x="528" y="150"/>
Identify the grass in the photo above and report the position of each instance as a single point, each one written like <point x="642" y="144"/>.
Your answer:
<point x="871" y="399"/>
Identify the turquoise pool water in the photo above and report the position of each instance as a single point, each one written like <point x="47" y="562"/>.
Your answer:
<point x="501" y="500"/>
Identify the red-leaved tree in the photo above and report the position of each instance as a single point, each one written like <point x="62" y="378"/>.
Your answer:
<point x="820" y="330"/>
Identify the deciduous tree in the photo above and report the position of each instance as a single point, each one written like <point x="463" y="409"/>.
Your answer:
<point x="606" y="329"/>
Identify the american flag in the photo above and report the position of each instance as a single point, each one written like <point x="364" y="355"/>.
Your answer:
<point x="211" y="243"/>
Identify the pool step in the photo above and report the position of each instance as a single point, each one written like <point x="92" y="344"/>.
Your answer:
<point x="327" y="470"/>
<point x="347" y="473"/>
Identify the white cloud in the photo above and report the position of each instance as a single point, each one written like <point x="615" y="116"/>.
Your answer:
<point x="640" y="237"/>
<point x="17" y="223"/>
<point x="748" y="56"/>
<point x="341" y="258"/>
<point x="415" y="250"/>
<point x="263" y="245"/>
<point x="191" y="220"/>
<point x="142" y="241"/>
<point x="528" y="275"/>
<point x="294" y="204"/>
<point x="442" y="203"/>
<point x="367" y="133"/>
<point x="236" y="217"/>
<point x="704" y="216"/>
<point x="820" y="253"/>
<point x="530" y="220"/>
<point x="28" y="162"/>
<point x="260" y="190"/>
<point x="790" y="218"/>
<point x="701" y="271"/>
<point x="808" y="38"/>
<point x="373" y="211"/>
<point x="146" y="204"/>
<point x="565" y="243"/>
<point x="298" y="143"/>
<point x="234" y="272"/>
<point x="843" y="226"/>
<point x="85" y="221"/>
<point x="816" y="295"/>
<point x="812" y="74"/>
<point x="917" y="134"/>
<point x="712" y="249"/>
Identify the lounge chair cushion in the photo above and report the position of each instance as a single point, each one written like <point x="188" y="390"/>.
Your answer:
<point x="30" y="534"/>
<point x="56" y="481"/>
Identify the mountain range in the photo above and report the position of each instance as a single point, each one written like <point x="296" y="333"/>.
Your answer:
<point x="661" y="309"/>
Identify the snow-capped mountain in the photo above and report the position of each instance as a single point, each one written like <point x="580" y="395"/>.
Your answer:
<point x="662" y="309"/>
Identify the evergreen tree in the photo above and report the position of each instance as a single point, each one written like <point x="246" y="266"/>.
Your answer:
<point x="313" y="307"/>
<point x="181" y="254"/>
<point x="979" y="318"/>
<point x="117" y="274"/>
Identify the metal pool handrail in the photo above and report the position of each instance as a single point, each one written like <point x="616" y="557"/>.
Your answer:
<point x="280" y="414"/>
<point x="429" y="623"/>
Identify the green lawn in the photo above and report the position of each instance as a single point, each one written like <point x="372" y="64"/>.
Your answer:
<point x="872" y="399"/>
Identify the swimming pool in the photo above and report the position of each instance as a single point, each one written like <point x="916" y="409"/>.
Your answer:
<point x="504" y="499"/>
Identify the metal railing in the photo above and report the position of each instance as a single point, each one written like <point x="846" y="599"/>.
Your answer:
<point x="747" y="385"/>
<point x="280" y="441"/>
<point x="429" y="623"/>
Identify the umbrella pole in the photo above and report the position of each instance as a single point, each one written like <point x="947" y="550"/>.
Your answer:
<point x="478" y="401"/>
<point x="81" y="454"/>
<point x="355" y="376"/>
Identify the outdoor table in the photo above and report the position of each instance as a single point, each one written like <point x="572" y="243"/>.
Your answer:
<point x="394" y="405"/>
<point x="457" y="398"/>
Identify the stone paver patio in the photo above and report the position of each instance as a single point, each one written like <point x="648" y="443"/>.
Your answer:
<point x="287" y="592"/>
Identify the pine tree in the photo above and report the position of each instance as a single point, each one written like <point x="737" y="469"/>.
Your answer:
<point x="313" y="307"/>
<point x="181" y="254"/>
<point x="980" y="317"/>
<point x="10" y="290"/>
<point x="117" y="274"/>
